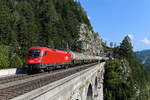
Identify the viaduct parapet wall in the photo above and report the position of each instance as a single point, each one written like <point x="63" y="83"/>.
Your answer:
<point x="84" y="85"/>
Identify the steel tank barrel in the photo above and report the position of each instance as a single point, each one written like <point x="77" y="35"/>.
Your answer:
<point x="77" y="56"/>
<point x="80" y="56"/>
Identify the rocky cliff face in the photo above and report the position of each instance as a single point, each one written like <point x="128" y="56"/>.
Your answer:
<point x="124" y="71"/>
<point x="91" y="41"/>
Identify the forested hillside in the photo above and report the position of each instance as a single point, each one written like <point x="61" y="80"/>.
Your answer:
<point x="125" y="78"/>
<point x="144" y="58"/>
<point x="26" y="23"/>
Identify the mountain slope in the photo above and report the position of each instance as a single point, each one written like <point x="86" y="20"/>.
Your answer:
<point x="125" y="78"/>
<point x="144" y="58"/>
<point x="59" y="24"/>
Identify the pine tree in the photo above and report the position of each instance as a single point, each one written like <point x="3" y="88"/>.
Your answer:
<point x="26" y="23"/>
<point x="4" y="24"/>
<point x="126" y="48"/>
<point x="48" y="17"/>
<point x="111" y="44"/>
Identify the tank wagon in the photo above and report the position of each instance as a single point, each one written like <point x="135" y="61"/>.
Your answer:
<point x="46" y="59"/>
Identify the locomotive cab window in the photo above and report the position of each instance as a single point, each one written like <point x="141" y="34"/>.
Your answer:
<point x="45" y="53"/>
<point x="34" y="53"/>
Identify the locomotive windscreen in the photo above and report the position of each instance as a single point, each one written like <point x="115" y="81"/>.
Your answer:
<point x="34" y="53"/>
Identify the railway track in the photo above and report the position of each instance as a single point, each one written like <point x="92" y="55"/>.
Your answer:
<point x="12" y="78"/>
<point x="7" y="79"/>
<point x="17" y="86"/>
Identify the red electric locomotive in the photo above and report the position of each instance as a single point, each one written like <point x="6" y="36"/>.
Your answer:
<point x="43" y="58"/>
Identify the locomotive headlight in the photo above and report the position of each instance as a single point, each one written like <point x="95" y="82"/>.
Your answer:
<point x="39" y="61"/>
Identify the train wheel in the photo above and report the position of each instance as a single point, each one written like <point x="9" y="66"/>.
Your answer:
<point x="41" y="70"/>
<point x="66" y="67"/>
<point x="50" y="68"/>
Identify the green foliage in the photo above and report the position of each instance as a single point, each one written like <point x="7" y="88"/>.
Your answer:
<point x="125" y="78"/>
<point x="144" y="58"/>
<point x="26" y="23"/>
<point x="15" y="61"/>
<point x="116" y="87"/>
<point x="106" y="48"/>
<point x="111" y="44"/>
<point x="4" y="60"/>
<point x="126" y="49"/>
<point x="8" y="58"/>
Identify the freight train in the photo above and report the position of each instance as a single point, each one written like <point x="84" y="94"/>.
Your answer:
<point x="47" y="59"/>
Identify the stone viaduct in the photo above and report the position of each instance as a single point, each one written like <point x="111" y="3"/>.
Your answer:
<point x="84" y="85"/>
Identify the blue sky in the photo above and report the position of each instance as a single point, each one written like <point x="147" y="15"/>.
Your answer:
<point x="113" y="19"/>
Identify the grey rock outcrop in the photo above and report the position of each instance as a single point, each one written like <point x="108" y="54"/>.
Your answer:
<point x="91" y="41"/>
<point x="124" y="71"/>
